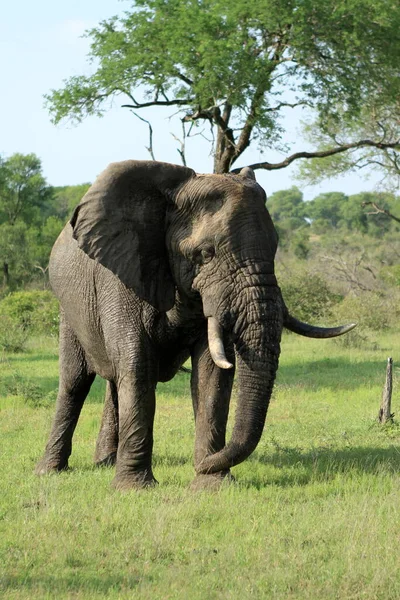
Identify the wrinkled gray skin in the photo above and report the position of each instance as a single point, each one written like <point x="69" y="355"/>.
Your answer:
<point x="151" y="252"/>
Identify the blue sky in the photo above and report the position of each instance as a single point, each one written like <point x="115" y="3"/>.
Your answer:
<point x="40" y="46"/>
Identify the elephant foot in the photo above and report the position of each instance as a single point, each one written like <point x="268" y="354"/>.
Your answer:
<point x="211" y="482"/>
<point x="134" y="481"/>
<point x="107" y="461"/>
<point x="44" y="467"/>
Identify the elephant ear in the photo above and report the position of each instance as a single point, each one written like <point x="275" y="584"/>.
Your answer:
<point x="120" y="223"/>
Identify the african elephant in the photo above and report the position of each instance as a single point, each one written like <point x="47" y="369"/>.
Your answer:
<point x="159" y="264"/>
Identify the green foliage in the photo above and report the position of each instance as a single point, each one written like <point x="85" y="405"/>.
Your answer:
<point x="14" y="253"/>
<point x="67" y="197"/>
<point x="326" y="209"/>
<point x="13" y="335"/>
<point x="200" y="56"/>
<point x="287" y="211"/>
<point x="377" y="119"/>
<point x="370" y="310"/>
<point x="34" y="311"/>
<point x="23" y="189"/>
<point x="332" y="211"/>
<point x="28" y="226"/>
<point x="287" y="204"/>
<point x="25" y="388"/>
<point x="32" y="214"/>
<point x="41" y="241"/>
<point x="307" y="295"/>
<point x="300" y="244"/>
<point x="391" y="274"/>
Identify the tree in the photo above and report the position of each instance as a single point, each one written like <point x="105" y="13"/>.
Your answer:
<point x="66" y="198"/>
<point x="373" y="221"/>
<point x="14" y="253"/>
<point x="23" y="189"/>
<point x="287" y="210"/>
<point x="326" y="210"/>
<point x="24" y="196"/>
<point x="235" y="67"/>
<point x="285" y="205"/>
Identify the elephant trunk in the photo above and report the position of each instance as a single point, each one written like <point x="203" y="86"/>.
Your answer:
<point x="257" y="347"/>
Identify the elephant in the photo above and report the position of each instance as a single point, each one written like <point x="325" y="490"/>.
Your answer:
<point x="159" y="264"/>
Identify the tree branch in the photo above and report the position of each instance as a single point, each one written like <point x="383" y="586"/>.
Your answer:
<point x="321" y="154"/>
<point x="286" y="104"/>
<point x="379" y="209"/>
<point x="244" y="138"/>
<point x="184" y="78"/>
<point x="181" y="151"/>
<point x="176" y="102"/>
<point x="149" y="148"/>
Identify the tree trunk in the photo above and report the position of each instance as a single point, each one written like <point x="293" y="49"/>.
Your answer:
<point x="224" y="152"/>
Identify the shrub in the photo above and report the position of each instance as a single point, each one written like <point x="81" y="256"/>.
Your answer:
<point x="390" y="274"/>
<point x="372" y="311"/>
<point x="34" y="311"/>
<point x="13" y="336"/>
<point x="28" y="390"/>
<point x="307" y="296"/>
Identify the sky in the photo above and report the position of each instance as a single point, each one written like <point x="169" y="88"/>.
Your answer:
<point x="41" y="45"/>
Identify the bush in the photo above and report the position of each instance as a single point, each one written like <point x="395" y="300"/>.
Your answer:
<point x="13" y="337"/>
<point x="34" y="311"/>
<point x="391" y="275"/>
<point x="28" y="390"/>
<point x="372" y="311"/>
<point x="307" y="296"/>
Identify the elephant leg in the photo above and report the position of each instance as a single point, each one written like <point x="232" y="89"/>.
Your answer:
<point x="74" y="384"/>
<point x="107" y="441"/>
<point x="211" y="392"/>
<point x="136" y="408"/>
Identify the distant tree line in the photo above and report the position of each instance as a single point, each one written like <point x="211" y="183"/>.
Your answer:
<point x="299" y="222"/>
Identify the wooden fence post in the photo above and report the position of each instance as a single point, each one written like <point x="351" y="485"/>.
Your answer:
<point x="385" y="413"/>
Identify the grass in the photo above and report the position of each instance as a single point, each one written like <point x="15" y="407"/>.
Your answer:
<point x="314" y="512"/>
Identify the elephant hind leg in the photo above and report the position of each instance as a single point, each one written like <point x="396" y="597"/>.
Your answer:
<point x="107" y="441"/>
<point x="75" y="380"/>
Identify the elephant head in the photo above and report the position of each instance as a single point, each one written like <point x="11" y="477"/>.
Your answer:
<point x="208" y="242"/>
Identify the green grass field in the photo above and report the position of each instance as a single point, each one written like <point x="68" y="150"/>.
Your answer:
<point x="314" y="513"/>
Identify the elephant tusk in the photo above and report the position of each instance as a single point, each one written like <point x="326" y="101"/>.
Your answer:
<point x="216" y="344"/>
<point x="315" y="332"/>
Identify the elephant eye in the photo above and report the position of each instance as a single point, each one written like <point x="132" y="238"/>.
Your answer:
<point x="207" y="254"/>
<point x="204" y="256"/>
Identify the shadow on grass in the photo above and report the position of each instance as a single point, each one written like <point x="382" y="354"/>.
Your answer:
<point x="332" y="373"/>
<point x="322" y="464"/>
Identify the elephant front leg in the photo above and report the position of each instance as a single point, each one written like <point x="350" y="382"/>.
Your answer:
<point x="211" y="391"/>
<point x="107" y="441"/>
<point x="136" y="407"/>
